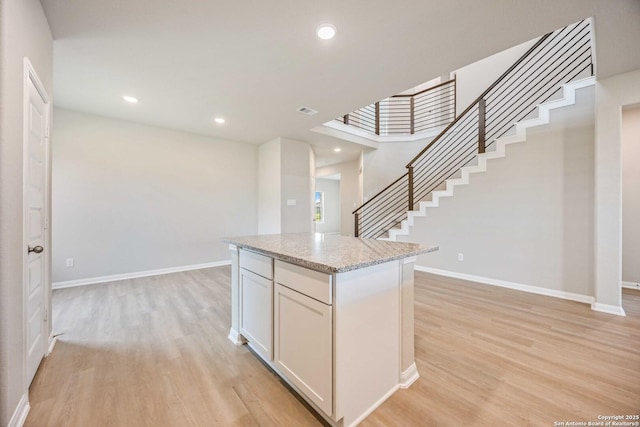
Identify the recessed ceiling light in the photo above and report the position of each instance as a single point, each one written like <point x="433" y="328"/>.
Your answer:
<point x="219" y="120"/>
<point x="337" y="150"/>
<point x="130" y="99"/>
<point x="326" y="31"/>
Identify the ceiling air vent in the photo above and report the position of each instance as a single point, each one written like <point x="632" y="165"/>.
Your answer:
<point x="308" y="111"/>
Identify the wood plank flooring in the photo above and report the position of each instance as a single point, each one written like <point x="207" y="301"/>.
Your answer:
<point x="154" y="352"/>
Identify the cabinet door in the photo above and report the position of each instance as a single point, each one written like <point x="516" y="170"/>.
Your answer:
<point x="256" y="310"/>
<point x="303" y="344"/>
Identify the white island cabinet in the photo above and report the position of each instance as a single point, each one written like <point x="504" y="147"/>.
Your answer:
<point x="332" y="315"/>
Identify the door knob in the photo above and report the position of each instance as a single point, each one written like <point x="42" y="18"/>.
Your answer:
<point x="37" y="249"/>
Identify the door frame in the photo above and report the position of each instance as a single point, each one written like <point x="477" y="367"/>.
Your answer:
<point x="30" y="76"/>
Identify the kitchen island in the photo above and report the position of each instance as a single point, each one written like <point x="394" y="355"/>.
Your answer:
<point x="332" y="315"/>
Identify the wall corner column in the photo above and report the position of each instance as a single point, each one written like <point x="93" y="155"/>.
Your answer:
<point x="234" y="332"/>
<point x="408" y="369"/>
<point x="612" y="95"/>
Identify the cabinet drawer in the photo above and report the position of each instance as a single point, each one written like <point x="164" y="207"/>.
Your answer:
<point x="312" y="283"/>
<point x="259" y="264"/>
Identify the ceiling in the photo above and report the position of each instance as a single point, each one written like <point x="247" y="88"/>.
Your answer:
<point x="256" y="62"/>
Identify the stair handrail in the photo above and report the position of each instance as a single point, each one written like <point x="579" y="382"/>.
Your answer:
<point x="356" y="212"/>
<point x="479" y="98"/>
<point x="429" y="89"/>
<point x="380" y="192"/>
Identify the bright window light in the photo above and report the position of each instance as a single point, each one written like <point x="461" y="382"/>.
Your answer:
<point x="319" y="207"/>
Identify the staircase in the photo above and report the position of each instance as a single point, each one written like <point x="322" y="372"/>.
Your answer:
<point x="520" y="135"/>
<point x="544" y="78"/>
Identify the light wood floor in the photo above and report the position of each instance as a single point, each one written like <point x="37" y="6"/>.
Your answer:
<point x="154" y="352"/>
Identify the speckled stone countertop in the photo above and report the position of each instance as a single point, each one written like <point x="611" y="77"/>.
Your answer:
<point x="328" y="253"/>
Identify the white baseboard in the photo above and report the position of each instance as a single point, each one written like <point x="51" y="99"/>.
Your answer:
<point x="606" y="308"/>
<point x="52" y="344"/>
<point x="21" y="412"/>
<point x="631" y="285"/>
<point x="235" y="337"/>
<point x="409" y="376"/>
<point x="511" y="285"/>
<point x="134" y="275"/>
<point x="374" y="406"/>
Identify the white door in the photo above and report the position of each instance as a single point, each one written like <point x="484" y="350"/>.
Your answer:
<point x="36" y="134"/>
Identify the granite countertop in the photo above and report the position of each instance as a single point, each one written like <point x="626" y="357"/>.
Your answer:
<point x="329" y="253"/>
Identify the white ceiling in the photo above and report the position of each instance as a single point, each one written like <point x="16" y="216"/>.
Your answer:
<point x="256" y="62"/>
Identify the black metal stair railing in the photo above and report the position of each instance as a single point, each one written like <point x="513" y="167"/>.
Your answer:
<point x="555" y="59"/>
<point x="407" y="114"/>
<point x="380" y="213"/>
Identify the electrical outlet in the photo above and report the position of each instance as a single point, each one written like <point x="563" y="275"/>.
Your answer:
<point x="69" y="262"/>
<point x="460" y="257"/>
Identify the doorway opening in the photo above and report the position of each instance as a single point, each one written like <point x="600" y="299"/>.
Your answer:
<point x="630" y="202"/>
<point x="327" y="210"/>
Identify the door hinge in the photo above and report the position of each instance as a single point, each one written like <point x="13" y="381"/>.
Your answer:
<point x="46" y="314"/>
<point x="46" y="132"/>
<point x="46" y="222"/>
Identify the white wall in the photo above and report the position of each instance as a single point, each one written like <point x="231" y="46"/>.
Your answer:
<point x="475" y="78"/>
<point x="331" y="190"/>
<point x="529" y="219"/>
<point x="24" y="32"/>
<point x="269" y="188"/>
<point x="350" y="191"/>
<point x="631" y="195"/>
<point x="129" y="197"/>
